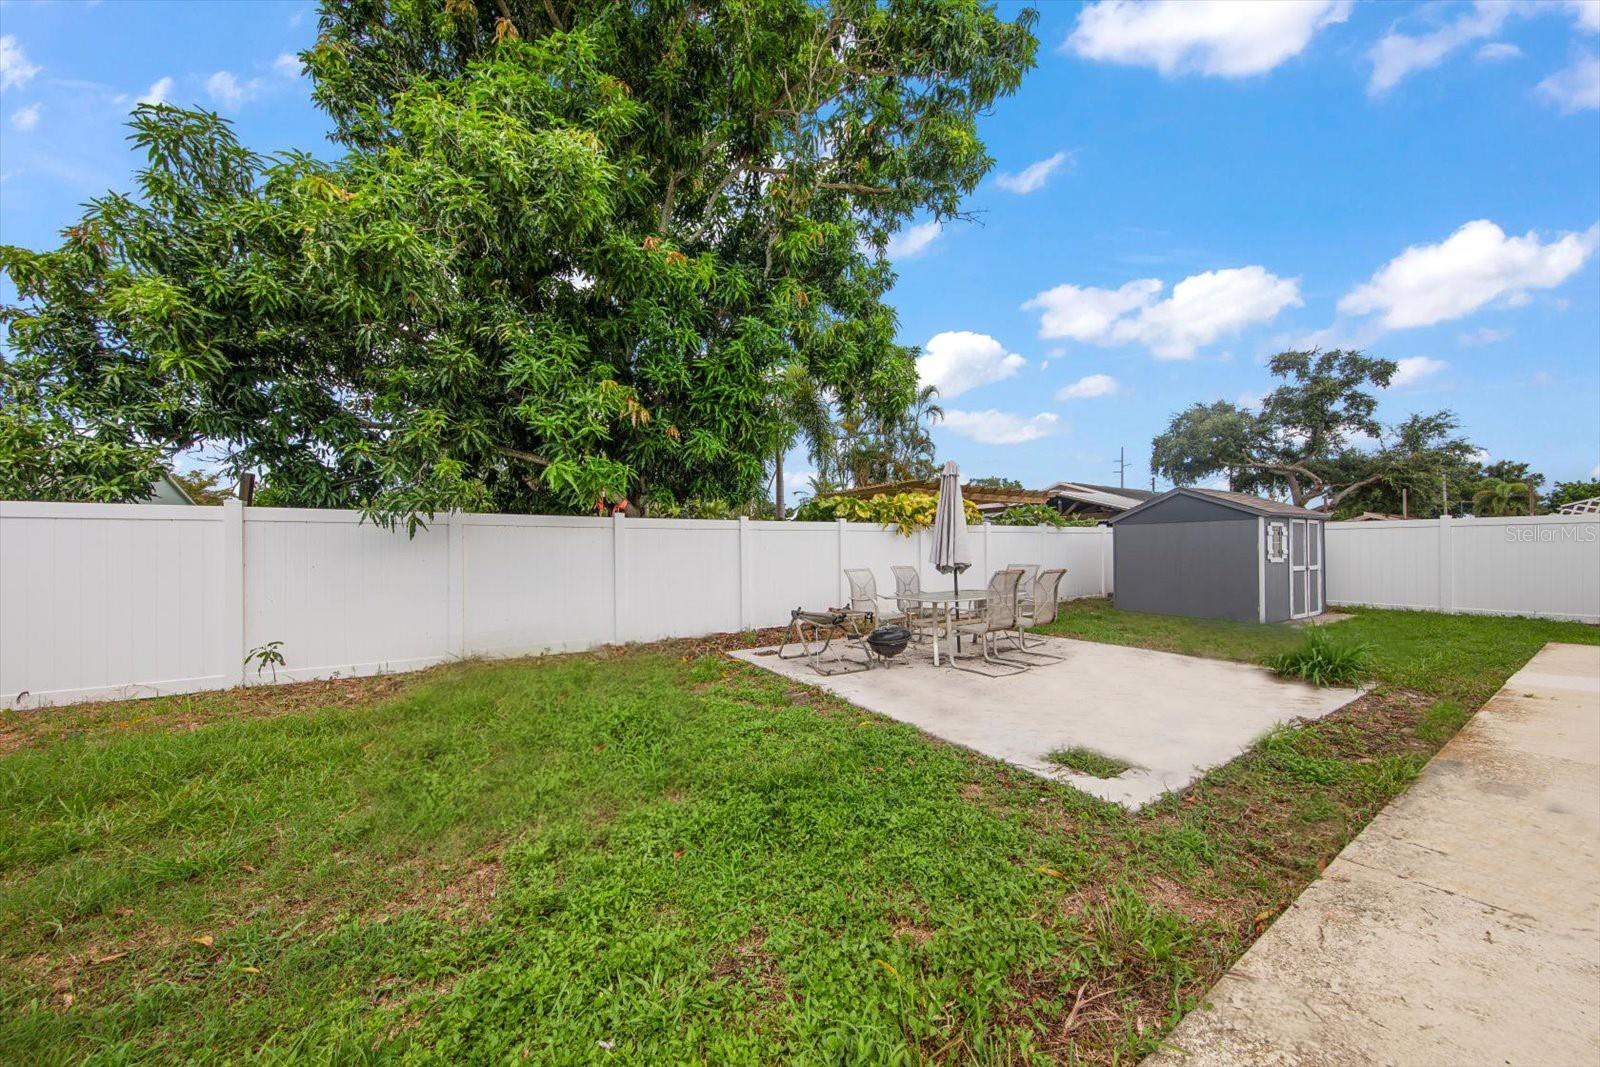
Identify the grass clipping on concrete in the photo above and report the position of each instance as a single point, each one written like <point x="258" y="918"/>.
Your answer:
<point x="659" y="855"/>
<point x="1088" y="761"/>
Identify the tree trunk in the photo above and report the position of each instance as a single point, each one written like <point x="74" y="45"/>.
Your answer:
<point x="777" y="492"/>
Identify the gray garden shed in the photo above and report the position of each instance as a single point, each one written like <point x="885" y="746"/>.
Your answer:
<point x="1218" y="555"/>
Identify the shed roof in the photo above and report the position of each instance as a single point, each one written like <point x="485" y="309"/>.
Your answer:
<point x="1255" y="505"/>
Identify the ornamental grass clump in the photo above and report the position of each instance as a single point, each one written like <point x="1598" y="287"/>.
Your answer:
<point x="1321" y="660"/>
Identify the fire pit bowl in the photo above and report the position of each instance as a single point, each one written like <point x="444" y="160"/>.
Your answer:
<point x="889" y="641"/>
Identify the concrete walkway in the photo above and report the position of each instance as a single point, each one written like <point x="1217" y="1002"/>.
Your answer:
<point x="1462" y="926"/>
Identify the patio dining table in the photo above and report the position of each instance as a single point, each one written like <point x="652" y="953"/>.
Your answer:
<point x="950" y="600"/>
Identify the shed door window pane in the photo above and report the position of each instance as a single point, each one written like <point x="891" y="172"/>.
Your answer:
<point x="1277" y="542"/>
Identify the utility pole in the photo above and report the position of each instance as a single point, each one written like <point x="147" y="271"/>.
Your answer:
<point x="1122" y="467"/>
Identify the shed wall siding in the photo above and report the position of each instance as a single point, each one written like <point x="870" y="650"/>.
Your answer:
<point x="1191" y="567"/>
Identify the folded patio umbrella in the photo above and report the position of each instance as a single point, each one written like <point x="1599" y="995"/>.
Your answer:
<point x="951" y="553"/>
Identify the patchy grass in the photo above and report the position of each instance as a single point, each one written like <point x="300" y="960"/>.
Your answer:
<point x="1088" y="761"/>
<point x="1322" y="659"/>
<point x="1464" y="658"/>
<point x="658" y="855"/>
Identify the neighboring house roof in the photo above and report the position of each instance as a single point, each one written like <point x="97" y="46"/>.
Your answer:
<point x="1580" y="507"/>
<point x="166" y="490"/>
<point x="1255" y="505"/>
<point x="1111" y="498"/>
<point x="1374" y="516"/>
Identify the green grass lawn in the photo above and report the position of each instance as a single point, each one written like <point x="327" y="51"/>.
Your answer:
<point x="658" y="855"/>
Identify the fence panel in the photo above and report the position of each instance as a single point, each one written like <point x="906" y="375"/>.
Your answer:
<point x="345" y="597"/>
<point x="127" y="599"/>
<point x="103" y="600"/>
<point x="1546" y="565"/>
<point x="535" y="583"/>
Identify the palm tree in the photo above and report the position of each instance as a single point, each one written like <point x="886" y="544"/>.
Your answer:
<point x="1496" y="498"/>
<point x="805" y="414"/>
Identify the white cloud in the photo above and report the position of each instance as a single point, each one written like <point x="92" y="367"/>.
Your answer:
<point x="1475" y="265"/>
<point x="160" y="92"/>
<point x="1413" y="369"/>
<point x="287" y="64"/>
<point x="1398" y="55"/>
<point x="1088" y="387"/>
<point x="1574" y="88"/>
<point x="1483" y="336"/>
<point x="992" y="427"/>
<point x="1594" y="471"/>
<point x="25" y="118"/>
<point x="958" y="360"/>
<point x="1542" y="377"/>
<point x="1498" y="51"/>
<point x="913" y="242"/>
<point x="1226" y="38"/>
<point x="1251" y="401"/>
<point x="226" y="88"/>
<point x="15" y="70"/>
<point x="1032" y="177"/>
<point x="1202" y="308"/>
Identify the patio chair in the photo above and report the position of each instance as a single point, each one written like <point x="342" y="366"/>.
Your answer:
<point x="921" y="619"/>
<point x="998" y="615"/>
<point x="1030" y="572"/>
<point x="1043" y="610"/>
<point x="865" y="601"/>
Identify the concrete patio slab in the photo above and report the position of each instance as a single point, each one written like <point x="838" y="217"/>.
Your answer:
<point x="1462" y="926"/>
<point x="1173" y="717"/>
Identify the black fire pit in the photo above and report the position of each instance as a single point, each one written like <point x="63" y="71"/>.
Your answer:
<point x="888" y="641"/>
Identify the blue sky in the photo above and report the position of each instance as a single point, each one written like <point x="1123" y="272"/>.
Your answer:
<point x="1180" y="192"/>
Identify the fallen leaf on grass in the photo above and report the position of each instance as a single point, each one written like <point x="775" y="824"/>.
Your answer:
<point x="251" y="970"/>
<point x="204" y="939"/>
<point x="98" y="960"/>
<point x="1051" y="871"/>
<point x="886" y="967"/>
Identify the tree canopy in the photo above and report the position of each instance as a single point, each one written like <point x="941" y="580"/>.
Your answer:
<point x="1316" y="439"/>
<point x="571" y="252"/>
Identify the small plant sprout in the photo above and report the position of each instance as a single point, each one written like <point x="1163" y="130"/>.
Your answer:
<point x="266" y="656"/>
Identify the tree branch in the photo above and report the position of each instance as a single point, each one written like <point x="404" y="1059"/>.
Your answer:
<point x="526" y="457"/>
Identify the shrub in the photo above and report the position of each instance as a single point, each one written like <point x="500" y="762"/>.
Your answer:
<point x="1029" y="515"/>
<point x="1321" y="660"/>
<point x="906" y="512"/>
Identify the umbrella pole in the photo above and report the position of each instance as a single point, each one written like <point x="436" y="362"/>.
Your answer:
<point x="958" y="608"/>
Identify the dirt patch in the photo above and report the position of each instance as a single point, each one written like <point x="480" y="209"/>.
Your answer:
<point x="45" y="725"/>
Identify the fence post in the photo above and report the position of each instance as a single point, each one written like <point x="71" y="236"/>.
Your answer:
<point x="745" y="564"/>
<point x="619" y="575"/>
<point x="1104" y="533"/>
<point x="844" y="596"/>
<point x="1447" y="569"/>
<point x="233" y="633"/>
<point x="455" y="600"/>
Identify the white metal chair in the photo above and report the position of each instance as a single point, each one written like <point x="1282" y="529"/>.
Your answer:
<point x="1030" y="572"/>
<point x="865" y="601"/>
<point x="1042" y="611"/>
<point x="920" y="619"/>
<point x="997" y="616"/>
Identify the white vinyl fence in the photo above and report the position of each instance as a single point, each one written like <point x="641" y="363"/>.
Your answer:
<point x="111" y="600"/>
<point x="1546" y="565"/>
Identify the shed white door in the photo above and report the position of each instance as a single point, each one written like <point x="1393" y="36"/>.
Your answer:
<point x="1305" y="569"/>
